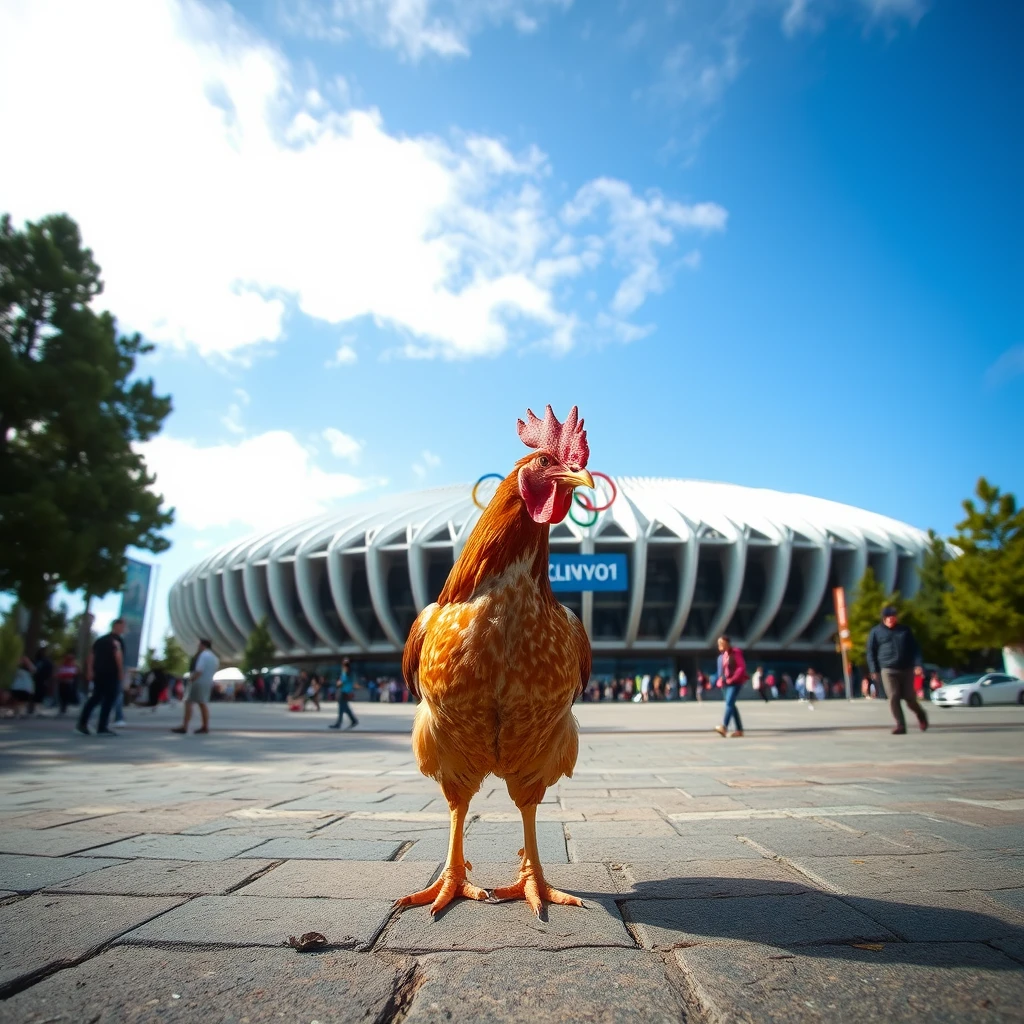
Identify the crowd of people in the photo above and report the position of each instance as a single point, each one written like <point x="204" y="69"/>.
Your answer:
<point x="768" y="684"/>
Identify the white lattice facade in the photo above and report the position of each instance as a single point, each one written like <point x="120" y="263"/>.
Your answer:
<point x="703" y="558"/>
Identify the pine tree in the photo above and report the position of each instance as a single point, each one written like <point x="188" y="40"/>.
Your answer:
<point x="985" y="601"/>
<point x="865" y="611"/>
<point x="259" y="649"/>
<point x="74" y="492"/>
<point x="926" y="612"/>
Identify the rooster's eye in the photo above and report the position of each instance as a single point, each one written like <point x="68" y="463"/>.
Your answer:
<point x="544" y="462"/>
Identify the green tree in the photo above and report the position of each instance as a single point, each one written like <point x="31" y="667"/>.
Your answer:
<point x="174" y="660"/>
<point x="74" y="492"/>
<point x="10" y="648"/>
<point x="926" y="612"/>
<point x="865" y="611"/>
<point x="259" y="649"/>
<point x="985" y="600"/>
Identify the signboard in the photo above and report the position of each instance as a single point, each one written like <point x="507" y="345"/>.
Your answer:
<point x="133" y="609"/>
<point x="574" y="573"/>
<point x="839" y="599"/>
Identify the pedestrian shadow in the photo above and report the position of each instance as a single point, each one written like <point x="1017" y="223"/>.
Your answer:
<point x="806" y="921"/>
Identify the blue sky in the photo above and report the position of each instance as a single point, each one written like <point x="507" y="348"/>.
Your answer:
<point x="772" y="243"/>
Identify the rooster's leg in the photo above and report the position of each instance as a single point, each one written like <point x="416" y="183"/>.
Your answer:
<point x="452" y="881"/>
<point x="531" y="885"/>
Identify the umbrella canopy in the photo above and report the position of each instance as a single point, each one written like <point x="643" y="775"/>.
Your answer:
<point x="229" y="675"/>
<point x="283" y="670"/>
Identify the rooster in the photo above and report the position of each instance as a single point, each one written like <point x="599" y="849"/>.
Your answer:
<point x="498" y="662"/>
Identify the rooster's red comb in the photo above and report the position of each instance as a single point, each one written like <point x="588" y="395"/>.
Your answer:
<point x="566" y="441"/>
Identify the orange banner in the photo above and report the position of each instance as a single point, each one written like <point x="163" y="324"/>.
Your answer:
<point x="839" y="600"/>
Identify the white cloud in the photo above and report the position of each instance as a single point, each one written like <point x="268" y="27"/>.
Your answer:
<point x="261" y="194"/>
<point x="415" y="28"/>
<point x="428" y="461"/>
<point x="342" y="445"/>
<point x="810" y="15"/>
<point x="232" y="419"/>
<point x="637" y="228"/>
<point x="345" y="356"/>
<point x="693" y="259"/>
<point x="260" y="482"/>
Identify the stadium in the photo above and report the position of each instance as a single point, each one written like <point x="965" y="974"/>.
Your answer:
<point x="699" y="559"/>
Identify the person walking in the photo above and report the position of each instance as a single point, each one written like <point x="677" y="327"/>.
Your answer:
<point x="892" y="654"/>
<point x="105" y="670"/>
<point x="346" y="688"/>
<point x="200" y="685"/>
<point x="312" y="692"/>
<point x="42" y="677"/>
<point x="732" y="672"/>
<point x="23" y="689"/>
<point x="67" y="677"/>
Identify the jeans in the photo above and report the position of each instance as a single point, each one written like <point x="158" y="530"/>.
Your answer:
<point x="344" y="709"/>
<point x="732" y="713"/>
<point x="104" y="693"/>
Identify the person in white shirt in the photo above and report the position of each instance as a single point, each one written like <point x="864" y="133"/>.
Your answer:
<point x="200" y="684"/>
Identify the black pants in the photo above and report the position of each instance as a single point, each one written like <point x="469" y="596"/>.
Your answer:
<point x="104" y="693"/>
<point x="344" y="709"/>
<point x="67" y="693"/>
<point x="899" y="685"/>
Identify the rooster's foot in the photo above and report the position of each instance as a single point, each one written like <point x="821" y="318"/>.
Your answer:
<point x="451" y="883"/>
<point x="535" y="890"/>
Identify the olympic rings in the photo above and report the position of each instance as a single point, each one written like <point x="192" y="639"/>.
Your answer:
<point x="584" y="501"/>
<point x="476" y="487"/>
<point x="578" y="523"/>
<point x="580" y="499"/>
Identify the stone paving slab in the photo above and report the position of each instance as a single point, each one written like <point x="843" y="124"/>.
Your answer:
<point x="483" y="926"/>
<point x="632" y="829"/>
<point x="785" y="920"/>
<point x="942" y="916"/>
<point x="41" y="819"/>
<point x="610" y="986"/>
<point x="338" y="800"/>
<point x="955" y="983"/>
<point x="52" y="842"/>
<point x="334" y="879"/>
<point x="48" y="929"/>
<point x="179" y="847"/>
<point x="145" y="877"/>
<point x="1013" y="948"/>
<point x="381" y="828"/>
<point x="794" y="838"/>
<point x="708" y="879"/>
<point x="322" y="849"/>
<point x="617" y="849"/>
<point x="492" y="842"/>
<point x="187" y="986"/>
<point x="28" y="874"/>
<point x="243" y="920"/>
<point x="926" y="872"/>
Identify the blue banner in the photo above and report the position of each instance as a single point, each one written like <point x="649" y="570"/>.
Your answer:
<point x="587" y="572"/>
<point x="134" y="598"/>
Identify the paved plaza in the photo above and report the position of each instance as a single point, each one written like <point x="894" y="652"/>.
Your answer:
<point x="818" y="869"/>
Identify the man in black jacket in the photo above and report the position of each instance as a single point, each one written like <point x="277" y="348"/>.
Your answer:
<point x="892" y="653"/>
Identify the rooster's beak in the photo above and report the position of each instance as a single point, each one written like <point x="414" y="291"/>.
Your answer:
<point x="580" y="479"/>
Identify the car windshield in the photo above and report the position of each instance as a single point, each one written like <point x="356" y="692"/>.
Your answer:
<point x="964" y="680"/>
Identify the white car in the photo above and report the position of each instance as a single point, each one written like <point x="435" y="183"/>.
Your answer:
<point x="976" y="690"/>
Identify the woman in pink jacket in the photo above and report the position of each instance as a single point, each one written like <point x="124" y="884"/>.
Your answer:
<point x="732" y="670"/>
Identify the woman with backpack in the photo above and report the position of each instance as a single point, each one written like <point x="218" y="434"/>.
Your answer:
<point x="732" y="671"/>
